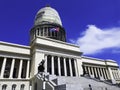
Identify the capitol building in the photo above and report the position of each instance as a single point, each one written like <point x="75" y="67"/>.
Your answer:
<point x="65" y="67"/>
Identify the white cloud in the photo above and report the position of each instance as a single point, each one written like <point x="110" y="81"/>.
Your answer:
<point x="94" y="39"/>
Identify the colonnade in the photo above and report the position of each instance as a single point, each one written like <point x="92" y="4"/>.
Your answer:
<point x="45" y="31"/>
<point x="97" y="72"/>
<point x="116" y="74"/>
<point x="48" y="31"/>
<point x="14" y="68"/>
<point x="61" y="66"/>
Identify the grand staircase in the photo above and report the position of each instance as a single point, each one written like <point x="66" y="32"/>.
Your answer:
<point x="78" y="83"/>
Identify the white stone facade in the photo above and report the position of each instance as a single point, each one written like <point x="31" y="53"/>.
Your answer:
<point x="18" y="66"/>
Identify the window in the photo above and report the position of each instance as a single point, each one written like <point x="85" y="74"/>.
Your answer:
<point x="4" y="87"/>
<point x="13" y="86"/>
<point x="22" y="87"/>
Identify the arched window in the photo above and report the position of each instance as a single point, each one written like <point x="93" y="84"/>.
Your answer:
<point x="14" y="87"/>
<point x="22" y="87"/>
<point x="4" y="87"/>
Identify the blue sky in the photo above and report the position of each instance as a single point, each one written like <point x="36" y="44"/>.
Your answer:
<point x="94" y="25"/>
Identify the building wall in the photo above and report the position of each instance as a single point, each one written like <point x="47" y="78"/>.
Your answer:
<point x="14" y="66"/>
<point x="101" y="69"/>
<point x="14" y="84"/>
<point x="43" y="48"/>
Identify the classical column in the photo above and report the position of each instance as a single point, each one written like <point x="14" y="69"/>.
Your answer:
<point x="104" y="73"/>
<point x="3" y="67"/>
<point x="111" y="75"/>
<point x="28" y="68"/>
<point x="71" y="72"/>
<point x="59" y="68"/>
<point x="89" y="71"/>
<point x="75" y="64"/>
<point x="79" y="66"/>
<point x="92" y="72"/>
<point x="46" y="31"/>
<point x="20" y="69"/>
<point x="118" y="72"/>
<point x="65" y="72"/>
<point x="107" y="74"/>
<point x="115" y="74"/>
<point x="52" y="67"/>
<point x="101" y="72"/>
<point x="96" y="72"/>
<point x="45" y="65"/>
<point x="39" y="31"/>
<point x="12" y="68"/>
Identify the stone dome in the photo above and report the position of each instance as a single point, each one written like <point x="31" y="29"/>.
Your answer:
<point x="47" y="15"/>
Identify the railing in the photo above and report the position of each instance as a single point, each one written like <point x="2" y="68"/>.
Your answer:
<point x="46" y="80"/>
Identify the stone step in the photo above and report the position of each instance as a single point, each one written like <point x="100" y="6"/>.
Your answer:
<point x="81" y="83"/>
